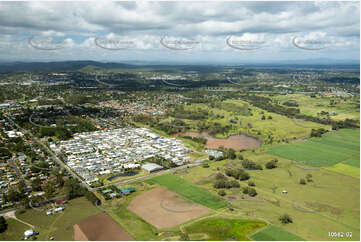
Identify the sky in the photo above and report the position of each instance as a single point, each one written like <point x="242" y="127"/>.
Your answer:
<point x="180" y="32"/>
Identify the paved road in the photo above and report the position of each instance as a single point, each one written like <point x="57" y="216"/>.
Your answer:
<point x="15" y="167"/>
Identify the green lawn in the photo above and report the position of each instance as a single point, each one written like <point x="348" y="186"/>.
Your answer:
<point x="59" y="226"/>
<point x="224" y="229"/>
<point x="274" y="233"/>
<point x="345" y="169"/>
<point x="15" y="230"/>
<point x="189" y="191"/>
<point x="330" y="149"/>
<point x="353" y="161"/>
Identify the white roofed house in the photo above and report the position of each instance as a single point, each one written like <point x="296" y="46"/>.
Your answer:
<point x="151" y="167"/>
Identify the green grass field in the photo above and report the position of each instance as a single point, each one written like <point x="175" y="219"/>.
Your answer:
<point x="224" y="229"/>
<point x="189" y="191"/>
<point x="274" y="233"/>
<point x="15" y="230"/>
<point x="330" y="149"/>
<point x="345" y="169"/>
<point x="353" y="161"/>
<point x="59" y="226"/>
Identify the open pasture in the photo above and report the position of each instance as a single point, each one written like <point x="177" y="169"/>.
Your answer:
<point x="330" y="149"/>
<point x="274" y="233"/>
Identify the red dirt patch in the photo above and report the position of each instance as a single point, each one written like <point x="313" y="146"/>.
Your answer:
<point x="165" y="209"/>
<point x="100" y="228"/>
<point x="236" y="142"/>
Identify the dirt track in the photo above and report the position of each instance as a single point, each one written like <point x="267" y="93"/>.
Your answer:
<point x="165" y="209"/>
<point x="99" y="228"/>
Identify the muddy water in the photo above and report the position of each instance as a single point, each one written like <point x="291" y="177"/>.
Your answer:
<point x="236" y="142"/>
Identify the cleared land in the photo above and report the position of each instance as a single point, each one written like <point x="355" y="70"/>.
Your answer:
<point x="274" y="233"/>
<point x="330" y="149"/>
<point x="59" y="226"/>
<point x="99" y="228"/>
<point x="189" y="191"/>
<point x="157" y="204"/>
<point x="224" y="229"/>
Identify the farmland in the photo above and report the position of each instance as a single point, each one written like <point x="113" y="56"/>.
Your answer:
<point x="330" y="149"/>
<point x="274" y="233"/>
<point x="189" y="191"/>
<point x="159" y="203"/>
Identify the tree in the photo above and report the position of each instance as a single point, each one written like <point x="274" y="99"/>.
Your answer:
<point x="36" y="184"/>
<point x="252" y="192"/>
<point x="184" y="237"/>
<point x="309" y="177"/>
<point x="251" y="184"/>
<point x="302" y="181"/>
<point x="3" y="224"/>
<point x="271" y="164"/>
<point x="285" y="219"/>
<point x="221" y="193"/>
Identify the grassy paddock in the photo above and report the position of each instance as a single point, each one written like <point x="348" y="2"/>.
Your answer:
<point x="330" y="149"/>
<point x="345" y="169"/>
<point x="224" y="229"/>
<point x="189" y="191"/>
<point x="274" y="233"/>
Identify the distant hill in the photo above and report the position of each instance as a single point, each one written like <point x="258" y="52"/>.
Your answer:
<point x="58" y="66"/>
<point x="203" y="68"/>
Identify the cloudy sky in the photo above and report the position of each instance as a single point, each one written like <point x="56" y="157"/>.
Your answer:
<point x="182" y="32"/>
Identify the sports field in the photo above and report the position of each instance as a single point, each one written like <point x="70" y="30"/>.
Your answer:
<point x="189" y="191"/>
<point x="159" y="203"/>
<point x="330" y="149"/>
<point x="224" y="229"/>
<point x="274" y="233"/>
